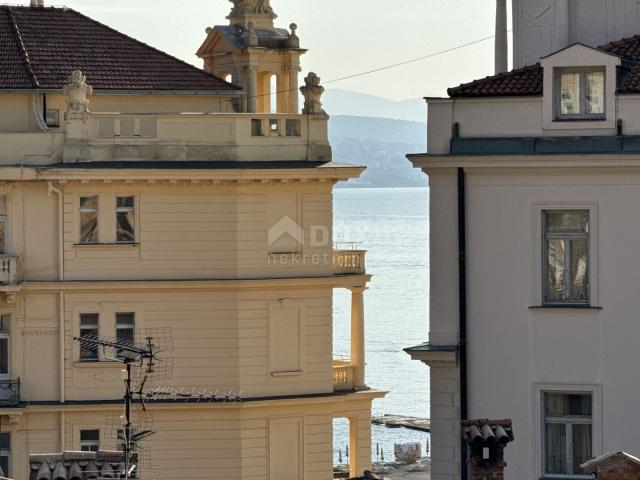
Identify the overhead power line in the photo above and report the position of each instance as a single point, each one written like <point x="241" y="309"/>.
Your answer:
<point x="395" y="65"/>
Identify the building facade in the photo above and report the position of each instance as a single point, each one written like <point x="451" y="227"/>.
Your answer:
<point x="533" y="185"/>
<point x="139" y="194"/>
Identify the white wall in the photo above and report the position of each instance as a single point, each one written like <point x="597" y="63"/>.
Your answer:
<point x="513" y="348"/>
<point x="544" y="26"/>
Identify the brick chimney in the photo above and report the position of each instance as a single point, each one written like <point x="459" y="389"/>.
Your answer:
<point x="485" y="441"/>
<point x="613" y="466"/>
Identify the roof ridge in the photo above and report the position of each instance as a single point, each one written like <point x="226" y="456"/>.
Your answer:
<point x="187" y="64"/>
<point x="22" y="47"/>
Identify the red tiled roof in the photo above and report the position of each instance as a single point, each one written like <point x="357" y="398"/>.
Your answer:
<point x="527" y="81"/>
<point x="40" y="47"/>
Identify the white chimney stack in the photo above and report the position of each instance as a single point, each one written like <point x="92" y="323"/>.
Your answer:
<point x="502" y="44"/>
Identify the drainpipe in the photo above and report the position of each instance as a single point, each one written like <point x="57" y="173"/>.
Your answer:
<point x="462" y="308"/>
<point x="58" y="193"/>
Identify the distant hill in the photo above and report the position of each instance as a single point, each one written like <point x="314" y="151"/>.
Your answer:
<point x="341" y="102"/>
<point x="380" y="144"/>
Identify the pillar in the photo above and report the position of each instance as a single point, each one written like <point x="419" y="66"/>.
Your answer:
<point x="502" y="46"/>
<point x="283" y="93"/>
<point x="294" y="90"/>
<point x="252" y="90"/>
<point x="357" y="337"/>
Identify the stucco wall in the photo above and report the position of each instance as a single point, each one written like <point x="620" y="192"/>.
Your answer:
<point x="515" y="351"/>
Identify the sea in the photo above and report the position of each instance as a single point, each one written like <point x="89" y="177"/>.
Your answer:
<point x="392" y="224"/>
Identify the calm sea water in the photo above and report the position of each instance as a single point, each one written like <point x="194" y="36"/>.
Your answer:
<point x="392" y="224"/>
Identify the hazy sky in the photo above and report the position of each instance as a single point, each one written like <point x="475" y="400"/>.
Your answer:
<point x="344" y="37"/>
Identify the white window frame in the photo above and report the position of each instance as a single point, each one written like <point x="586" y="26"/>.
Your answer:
<point x="88" y="210"/>
<point x="131" y="209"/>
<point x="90" y="443"/>
<point x="538" y="417"/>
<point x="99" y="355"/>
<point x="133" y="327"/>
<point x="582" y="71"/>
<point x="538" y="294"/>
<point x="545" y="254"/>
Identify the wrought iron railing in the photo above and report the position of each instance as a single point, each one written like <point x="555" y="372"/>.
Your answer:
<point x="9" y="393"/>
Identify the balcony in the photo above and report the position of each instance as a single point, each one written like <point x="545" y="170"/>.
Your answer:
<point x="10" y="271"/>
<point x="348" y="261"/>
<point x="199" y="136"/>
<point x="342" y="374"/>
<point x="9" y="393"/>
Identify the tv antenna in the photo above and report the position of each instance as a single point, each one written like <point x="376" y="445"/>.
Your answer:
<point x="143" y="356"/>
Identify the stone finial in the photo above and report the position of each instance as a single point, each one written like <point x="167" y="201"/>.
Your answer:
<point x="37" y="3"/>
<point x="76" y="91"/>
<point x="294" y="40"/>
<point x="312" y="91"/>
<point x="251" y="7"/>
<point x="249" y="36"/>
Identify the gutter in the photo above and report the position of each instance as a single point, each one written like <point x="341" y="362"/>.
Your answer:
<point x="462" y="309"/>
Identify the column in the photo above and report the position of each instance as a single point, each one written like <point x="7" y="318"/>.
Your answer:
<point x="283" y="93"/>
<point x="252" y="90"/>
<point x="294" y="90"/>
<point x="502" y="46"/>
<point x="357" y="337"/>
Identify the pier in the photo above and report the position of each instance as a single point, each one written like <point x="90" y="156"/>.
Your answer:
<point x="400" y="421"/>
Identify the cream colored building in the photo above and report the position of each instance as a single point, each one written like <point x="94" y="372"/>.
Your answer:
<point x="534" y="178"/>
<point x="138" y="192"/>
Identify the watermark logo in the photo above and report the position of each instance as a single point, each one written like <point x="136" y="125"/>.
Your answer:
<point x="288" y="244"/>
<point x="286" y="233"/>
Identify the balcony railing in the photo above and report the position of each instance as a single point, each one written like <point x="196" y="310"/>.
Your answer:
<point x="9" y="393"/>
<point x="9" y="270"/>
<point x="346" y="262"/>
<point x="342" y="374"/>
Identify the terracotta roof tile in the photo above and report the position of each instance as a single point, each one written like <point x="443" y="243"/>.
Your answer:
<point x="40" y="47"/>
<point x="527" y="81"/>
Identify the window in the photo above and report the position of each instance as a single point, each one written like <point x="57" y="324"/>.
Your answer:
<point x="293" y="128"/>
<point x="89" y="440"/>
<point x="125" y="329"/>
<point x="89" y="219"/>
<point x="5" y="321"/>
<point x="125" y="219"/>
<point x="88" y="329"/>
<point x="52" y="118"/>
<point x="256" y="128"/>
<point x="580" y="94"/>
<point x="3" y="223"/>
<point x="5" y="454"/>
<point x="566" y="256"/>
<point x="568" y="432"/>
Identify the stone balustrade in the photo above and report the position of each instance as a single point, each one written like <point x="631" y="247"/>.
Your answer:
<point x="349" y="262"/>
<point x="342" y="375"/>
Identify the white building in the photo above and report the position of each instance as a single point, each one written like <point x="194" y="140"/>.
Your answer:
<point x="535" y="182"/>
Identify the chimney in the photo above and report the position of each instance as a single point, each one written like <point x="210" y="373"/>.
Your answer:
<point x="37" y="3"/>
<point x="502" y="44"/>
<point x="486" y="440"/>
<point x="613" y="466"/>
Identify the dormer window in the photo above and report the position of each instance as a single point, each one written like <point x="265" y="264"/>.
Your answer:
<point x="580" y="94"/>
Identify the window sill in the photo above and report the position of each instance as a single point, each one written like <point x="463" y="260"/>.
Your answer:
<point x="295" y="373"/>
<point x="564" y="307"/>
<point x="580" y="119"/>
<point x="97" y="364"/>
<point x="105" y="245"/>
